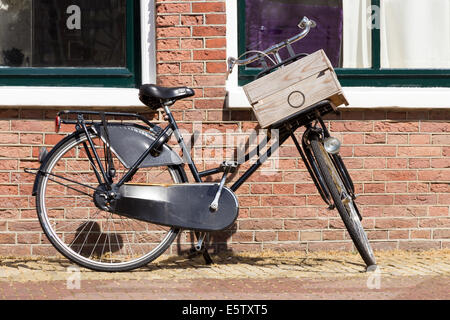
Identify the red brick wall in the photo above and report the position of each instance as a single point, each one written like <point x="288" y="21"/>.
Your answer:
<point x="398" y="159"/>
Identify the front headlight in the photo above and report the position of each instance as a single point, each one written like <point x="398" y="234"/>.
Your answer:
<point x="332" y="145"/>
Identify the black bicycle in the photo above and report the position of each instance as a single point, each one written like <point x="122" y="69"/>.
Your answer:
<point x="113" y="196"/>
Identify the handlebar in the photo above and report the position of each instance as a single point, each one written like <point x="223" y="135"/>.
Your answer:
<point x="306" y="24"/>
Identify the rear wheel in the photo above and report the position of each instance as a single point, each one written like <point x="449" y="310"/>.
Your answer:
<point x="344" y="202"/>
<point x="80" y="230"/>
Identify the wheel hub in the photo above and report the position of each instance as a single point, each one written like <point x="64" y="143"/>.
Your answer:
<point x="103" y="197"/>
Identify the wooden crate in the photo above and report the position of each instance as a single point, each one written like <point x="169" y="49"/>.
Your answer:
<point x="293" y="88"/>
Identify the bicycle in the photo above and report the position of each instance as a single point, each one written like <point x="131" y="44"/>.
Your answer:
<point x="114" y="196"/>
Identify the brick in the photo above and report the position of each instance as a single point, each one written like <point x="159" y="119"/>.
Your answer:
<point x="419" y="139"/>
<point x="7" y="238"/>
<point x="171" y="56"/>
<point x="31" y="138"/>
<point x="441" y="234"/>
<point x="398" y="234"/>
<point x="261" y="236"/>
<point x="192" y="20"/>
<point x="209" y="104"/>
<point x="397" y="139"/>
<point x="261" y="224"/>
<point x="265" y="212"/>
<point x="173" y="32"/>
<point x="216" y="67"/>
<point x="397" y="223"/>
<point x="375" y="138"/>
<point x="304" y="224"/>
<point x="9" y="138"/>
<point x="396" y="126"/>
<point x="166" y="44"/>
<point x="415" y="199"/>
<point x="167" y="20"/>
<point x="420" y="234"/>
<point x="375" y="151"/>
<point x="193" y="43"/>
<point x="352" y="126"/>
<point x="434" y="223"/>
<point x="216" y="19"/>
<point x="419" y="163"/>
<point x="192" y="67"/>
<point x="435" y="127"/>
<point x="261" y="188"/>
<point x="419" y="245"/>
<point x="288" y="235"/>
<point x="376" y="200"/>
<point x="397" y="163"/>
<point x="208" y="31"/>
<point x="332" y="246"/>
<point x="418" y="151"/>
<point x="440" y="163"/>
<point x="168" y="68"/>
<point x="443" y="139"/>
<point x="33" y="126"/>
<point x="200" y="7"/>
<point x="397" y="175"/>
<point x="438" y="211"/>
<point x="175" y="81"/>
<point x="243" y="236"/>
<point x="354" y="138"/>
<point x="280" y="201"/>
<point x="210" y="55"/>
<point x="434" y="175"/>
<point x="207" y="80"/>
<point x="15" y="152"/>
<point x="310" y="236"/>
<point x="173" y="7"/>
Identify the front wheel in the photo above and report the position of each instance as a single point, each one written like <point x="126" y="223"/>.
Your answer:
<point x="344" y="202"/>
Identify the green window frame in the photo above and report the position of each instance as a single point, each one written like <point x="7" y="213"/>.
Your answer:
<point x="370" y="77"/>
<point x="128" y="77"/>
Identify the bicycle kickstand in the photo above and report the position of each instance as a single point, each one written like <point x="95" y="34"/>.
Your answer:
<point x="200" y="248"/>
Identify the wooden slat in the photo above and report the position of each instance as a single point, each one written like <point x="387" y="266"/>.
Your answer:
<point x="287" y="76"/>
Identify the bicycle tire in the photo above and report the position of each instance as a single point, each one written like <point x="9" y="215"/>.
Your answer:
<point x="59" y="158"/>
<point x="347" y="211"/>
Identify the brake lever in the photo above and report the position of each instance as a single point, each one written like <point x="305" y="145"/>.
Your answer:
<point x="231" y="62"/>
<point x="307" y="22"/>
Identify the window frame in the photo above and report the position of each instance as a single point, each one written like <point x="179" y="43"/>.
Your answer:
<point x="128" y="77"/>
<point x="356" y="77"/>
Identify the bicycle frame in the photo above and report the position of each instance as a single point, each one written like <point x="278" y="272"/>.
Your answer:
<point x="286" y="131"/>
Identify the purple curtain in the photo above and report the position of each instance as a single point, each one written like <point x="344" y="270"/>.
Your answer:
<point x="271" y="21"/>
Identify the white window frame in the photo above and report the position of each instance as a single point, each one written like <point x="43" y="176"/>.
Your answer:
<point x="93" y="97"/>
<point x="358" y="97"/>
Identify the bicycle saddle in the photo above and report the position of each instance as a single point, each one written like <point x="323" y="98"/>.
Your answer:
<point x="153" y="96"/>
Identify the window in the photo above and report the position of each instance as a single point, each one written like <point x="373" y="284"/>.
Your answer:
<point x="69" y="43"/>
<point x="398" y="43"/>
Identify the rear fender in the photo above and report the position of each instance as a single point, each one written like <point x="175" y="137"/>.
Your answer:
<point x="129" y="142"/>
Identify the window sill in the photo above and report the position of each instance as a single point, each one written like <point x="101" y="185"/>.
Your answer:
<point x="370" y="97"/>
<point x="14" y="97"/>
